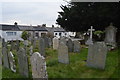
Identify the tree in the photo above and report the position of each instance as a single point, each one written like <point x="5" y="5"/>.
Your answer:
<point x="79" y="16"/>
<point x="25" y="35"/>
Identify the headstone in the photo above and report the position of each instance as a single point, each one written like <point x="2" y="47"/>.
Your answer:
<point x="12" y="45"/>
<point x="63" y="56"/>
<point x="38" y="66"/>
<point x="70" y="45"/>
<point x="23" y="62"/>
<point x="89" y="41"/>
<point x="110" y="35"/>
<point x="5" y="57"/>
<point x="31" y="50"/>
<point x="34" y="43"/>
<point x="62" y="39"/>
<point x="55" y="43"/>
<point x="49" y="42"/>
<point x="12" y="61"/>
<point x="46" y="42"/>
<point x="97" y="55"/>
<point x="42" y="46"/>
<point x="76" y="46"/>
<point x="17" y="45"/>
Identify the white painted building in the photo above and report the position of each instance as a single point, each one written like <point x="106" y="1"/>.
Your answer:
<point x="10" y="32"/>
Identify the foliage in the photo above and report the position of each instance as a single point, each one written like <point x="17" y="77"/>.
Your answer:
<point x="25" y="35"/>
<point x="99" y="35"/>
<point x="79" y="16"/>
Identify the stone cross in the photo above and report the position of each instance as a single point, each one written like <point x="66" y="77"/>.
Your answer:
<point x="91" y="31"/>
<point x="38" y="65"/>
<point x="89" y="41"/>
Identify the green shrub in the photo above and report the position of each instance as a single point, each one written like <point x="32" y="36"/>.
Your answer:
<point x="25" y="35"/>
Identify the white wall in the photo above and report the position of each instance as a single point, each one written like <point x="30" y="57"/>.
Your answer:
<point x="4" y="35"/>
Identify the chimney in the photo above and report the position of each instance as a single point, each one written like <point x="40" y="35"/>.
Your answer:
<point x="15" y="23"/>
<point x="52" y="26"/>
<point x="43" y="25"/>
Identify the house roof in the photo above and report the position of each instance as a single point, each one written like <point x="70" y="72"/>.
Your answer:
<point x="39" y="28"/>
<point x="55" y="29"/>
<point x="25" y="28"/>
<point x="6" y="27"/>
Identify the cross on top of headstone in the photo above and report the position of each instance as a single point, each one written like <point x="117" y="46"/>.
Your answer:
<point x="91" y="30"/>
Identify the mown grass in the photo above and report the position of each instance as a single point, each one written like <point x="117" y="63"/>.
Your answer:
<point x="77" y="67"/>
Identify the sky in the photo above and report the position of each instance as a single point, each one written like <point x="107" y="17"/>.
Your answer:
<point x="32" y="12"/>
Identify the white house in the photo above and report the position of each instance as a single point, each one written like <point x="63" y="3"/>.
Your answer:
<point x="10" y="32"/>
<point x="60" y="32"/>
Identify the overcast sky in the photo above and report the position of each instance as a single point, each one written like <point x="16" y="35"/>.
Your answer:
<point x="34" y="12"/>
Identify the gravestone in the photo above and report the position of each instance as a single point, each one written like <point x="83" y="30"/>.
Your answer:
<point x="55" y="43"/>
<point x="70" y="45"/>
<point x="42" y="46"/>
<point x="49" y="42"/>
<point x="31" y="50"/>
<point x="5" y="57"/>
<point x="62" y="39"/>
<point x="23" y="62"/>
<point x="17" y="45"/>
<point x="12" y="45"/>
<point x="34" y="43"/>
<point x="46" y="42"/>
<point x="97" y="55"/>
<point x="76" y="46"/>
<point x="38" y="66"/>
<point x="63" y="56"/>
<point x="12" y="61"/>
<point x="110" y="35"/>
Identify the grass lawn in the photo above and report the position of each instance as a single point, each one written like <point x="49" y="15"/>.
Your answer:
<point x="77" y="67"/>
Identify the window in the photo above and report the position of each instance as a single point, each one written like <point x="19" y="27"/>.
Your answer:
<point x="11" y="33"/>
<point x="55" y="33"/>
<point x="59" y="34"/>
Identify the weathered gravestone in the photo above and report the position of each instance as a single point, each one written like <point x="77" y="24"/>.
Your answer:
<point x="12" y="61"/>
<point x="55" y="43"/>
<point x="31" y="50"/>
<point x="70" y="45"/>
<point x="23" y="62"/>
<point x="110" y="36"/>
<point x="5" y="57"/>
<point x="76" y="46"/>
<point x="12" y="45"/>
<point x="17" y="45"/>
<point x="50" y="42"/>
<point x="42" y="46"/>
<point x="62" y="39"/>
<point x="97" y="55"/>
<point x="63" y="56"/>
<point x="46" y="42"/>
<point x="34" y="43"/>
<point x="38" y="66"/>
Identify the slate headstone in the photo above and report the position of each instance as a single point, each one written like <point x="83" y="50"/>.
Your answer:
<point x="5" y="57"/>
<point x="42" y="46"/>
<point x="76" y="46"/>
<point x="23" y="62"/>
<point x="38" y="66"/>
<point x="63" y="56"/>
<point x="97" y="55"/>
<point x="70" y="45"/>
